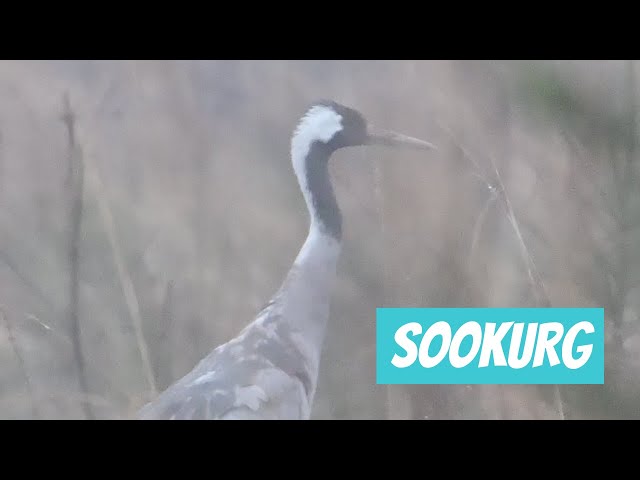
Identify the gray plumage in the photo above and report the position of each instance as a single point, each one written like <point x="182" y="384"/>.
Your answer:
<point x="270" y="370"/>
<point x="258" y="374"/>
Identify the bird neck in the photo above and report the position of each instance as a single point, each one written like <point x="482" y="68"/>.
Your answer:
<point x="305" y="294"/>
<point x="311" y="165"/>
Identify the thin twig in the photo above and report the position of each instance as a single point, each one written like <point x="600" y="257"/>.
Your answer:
<point x="162" y="359"/>
<point x="535" y="278"/>
<point x="21" y="362"/>
<point x="532" y="271"/>
<point x="559" y="402"/>
<point x="6" y="259"/>
<point x="59" y="335"/>
<point x="477" y="172"/>
<point x="131" y="300"/>
<point x="480" y="223"/>
<point x="501" y="190"/>
<point x="625" y="190"/>
<point x="75" y="183"/>
<point x="398" y="404"/>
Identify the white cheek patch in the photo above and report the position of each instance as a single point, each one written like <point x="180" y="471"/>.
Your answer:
<point x="320" y="123"/>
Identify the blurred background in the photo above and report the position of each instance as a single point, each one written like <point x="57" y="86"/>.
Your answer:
<point x="148" y="209"/>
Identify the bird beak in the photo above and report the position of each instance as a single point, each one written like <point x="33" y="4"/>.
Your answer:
<point x="393" y="139"/>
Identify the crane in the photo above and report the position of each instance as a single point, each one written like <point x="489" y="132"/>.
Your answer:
<point x="270" y="369"/>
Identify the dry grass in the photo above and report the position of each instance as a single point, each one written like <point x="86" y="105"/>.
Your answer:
<point x="189" y="186"/>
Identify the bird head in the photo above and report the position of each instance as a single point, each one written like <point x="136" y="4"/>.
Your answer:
<point x="338" y="126"/>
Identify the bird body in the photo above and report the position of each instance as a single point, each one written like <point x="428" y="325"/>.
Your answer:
<point x="270" y="369"/>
